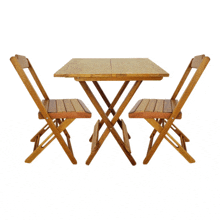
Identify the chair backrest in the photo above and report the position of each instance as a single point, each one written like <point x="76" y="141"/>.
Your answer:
<point x="25" y="63"/>
<point x="20" y="62"/>
<point x="198" y="62"/>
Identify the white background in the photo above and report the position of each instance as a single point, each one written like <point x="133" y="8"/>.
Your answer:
<point x="50" y="33"/>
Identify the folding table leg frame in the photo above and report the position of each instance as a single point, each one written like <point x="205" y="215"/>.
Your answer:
<point x="110" y="124"/>
<point x="38" y="148"/>
<point x="110" y="105"/>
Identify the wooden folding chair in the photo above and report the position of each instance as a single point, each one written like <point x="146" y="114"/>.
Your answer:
<point x="58" y="113"/>
<point x="162" y="113"/>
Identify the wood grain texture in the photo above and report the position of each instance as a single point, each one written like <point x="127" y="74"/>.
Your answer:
<point x="119" y="78"/>
<point x="125" y="136"/>
<point x="68" y="105"/>
<point x="151" y="105"/>
<point x="142" y="106"/>
<point x="43" y="111"/>
<point x="39" y="84"/>
<point x="159" y="105"/>
<point x="111" y="123"/>
<point x="167" y="106"/>
<point x="136" y="106"/>
<point x="77" y="106"/>
<point x="175" y="113"/>
<point x="84" y="106"/>
<point x="60" y="106"/>
<point x="116" y="69"/>
<point x="154" y="108"/>
<point x="67" y="108"/>
<point x="197" y="60"/>
<point x="52" y="106"/>
<point x="22" y="61"/>
<point x="95" y="137"/>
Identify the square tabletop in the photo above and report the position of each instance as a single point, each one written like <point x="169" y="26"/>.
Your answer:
<point x="95" y="69"/>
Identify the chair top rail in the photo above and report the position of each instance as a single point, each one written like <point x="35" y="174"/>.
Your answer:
<point x="194" y="63"/>
<point x="190" y="86"/>
<point x="23" y="61"/>
<point x="197" y="60"/>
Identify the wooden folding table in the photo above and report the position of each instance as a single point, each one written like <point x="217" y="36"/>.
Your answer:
<point x="131" y="69"/>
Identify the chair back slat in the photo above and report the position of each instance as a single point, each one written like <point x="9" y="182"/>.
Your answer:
<point x="29" y="86"/>
<point x="25" y="63"/>
<point x="197" y="61"/>
<point x="194" y="63"/>
<point x="22" y="61"/>
<point x="190" y="86"/>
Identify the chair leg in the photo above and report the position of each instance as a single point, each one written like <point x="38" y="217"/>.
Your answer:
<point x="48" y="140"/>
<point x="41" y="132"/>
<point x="178" y="132"/>
<point x="169" y="138"/>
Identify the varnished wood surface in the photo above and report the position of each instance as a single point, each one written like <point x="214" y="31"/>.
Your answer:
<point x="154" y="108"/>
<point x="112" y="69"/>
<point x="197" y="60"/>
<point x="200" y="63"/>
<point x="65" y="108"/>
<point x="22" y="61"/>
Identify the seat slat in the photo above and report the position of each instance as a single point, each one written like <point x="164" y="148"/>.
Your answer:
<point x="46" y="104"/>
<point x="135" y="106"/>
<point x="84" y="106"/>
<point x="156" y="108"/>
<point x="143" y="105"/>
<point x="159" y="106"/>
<point x="151" y="105"/>
<point x="77" y="105"/>
<point x="64" y="109"/>
<point x="167" y="106"/>
<point x="173" y="104"/>
<point x="68" y="105"/>
<point x="52" y="106"/>
<point x="60" y="106"/>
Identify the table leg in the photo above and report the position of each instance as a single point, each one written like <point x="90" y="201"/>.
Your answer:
<point x="110" y="124"/>
<point x="110" y="105"/>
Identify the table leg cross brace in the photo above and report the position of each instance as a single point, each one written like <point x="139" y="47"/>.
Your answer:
<point x="110" y="105"/>
<point x="110" y="124"/>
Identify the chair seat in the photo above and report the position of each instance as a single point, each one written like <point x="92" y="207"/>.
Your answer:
<point x="65" y="108"/>
<point x="154" y="108"/>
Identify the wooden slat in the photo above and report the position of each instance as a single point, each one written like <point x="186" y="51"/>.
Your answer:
<point x="125" y="136"/>
<point x="167" y="106"/>
<point x="77" y="105"/>
<point x="95" y="137"/>
<point x="52" y="106"/>
<point x="68" y="105"/>
<point x="22" y="61"/>
<point x="197" y="61"/>
<point x="143" y="105"/>
<point x="173" y="104"/>
<point x="84" y="106"/>
<point x="135" y="106"/>
<point x="151" y="105"/>
<point x="60" y="106"/>
<point x="159" y="106"/>
<point x="40" y="86"/>
<point x="46" y="104"/>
